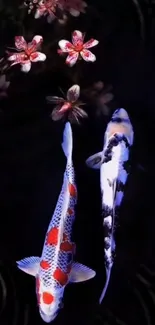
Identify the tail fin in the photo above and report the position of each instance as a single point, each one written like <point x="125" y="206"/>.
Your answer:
<point x="67" y="144"/>
<point x="108" y="203"/>
<point x="108" y="273"/>
<point x="109" y="256"/>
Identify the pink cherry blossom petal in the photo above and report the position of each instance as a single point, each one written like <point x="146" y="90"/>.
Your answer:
<point x="20" y="43"/>
<point x="92" y="42"/>
<point x="72" y="58"/>
<point x="36" y="42"/>
<point x="56" y="115"/>
<point x="17" y="58"/>
<point x="80" y="112"/>
<point x="37" y="56"/>
<point x="25" y="67"/>
<point x="65" y="46"/>
<point x="77" y="37"/>
<point x="88" y="56"/>
<point x="55" y="99"/>
<point x="73" y="93"/>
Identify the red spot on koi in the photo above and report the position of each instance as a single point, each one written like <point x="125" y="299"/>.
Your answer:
<point x="47" y="298"/>
<point x="65" y="237"/>
<point x="45" y="265"/>
<point x="72" y="190"/>
<point x="66" y="246"/>
<point x="52" y="236"/>
<point x="70" y="212"/>
<point x="60" y="276"/>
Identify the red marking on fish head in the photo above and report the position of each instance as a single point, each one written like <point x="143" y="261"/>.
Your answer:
<point x="60" y="277"/>
<point x="72" y="190"/>
<point x="44" y="265"/>
<point x="52" y="236"/>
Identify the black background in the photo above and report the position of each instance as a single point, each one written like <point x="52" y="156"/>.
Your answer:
<point x="31" y="172"/>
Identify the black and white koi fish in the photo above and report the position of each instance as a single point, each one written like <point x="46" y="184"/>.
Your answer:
<point x="113" y="164"/>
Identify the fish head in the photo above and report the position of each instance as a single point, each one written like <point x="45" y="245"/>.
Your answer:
<point x="50" y="302"/>
<point x="120" y="123"/>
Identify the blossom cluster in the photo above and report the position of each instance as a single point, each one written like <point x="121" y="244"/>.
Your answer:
<point x="27" y="53"/>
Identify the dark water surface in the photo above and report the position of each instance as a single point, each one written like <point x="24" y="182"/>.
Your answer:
<point x="31" y="172"/>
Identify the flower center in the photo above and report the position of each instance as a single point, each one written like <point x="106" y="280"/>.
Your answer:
<point x="69" y="105"/>
<point x="79" y="47"/>
<point x="28" y="52"/>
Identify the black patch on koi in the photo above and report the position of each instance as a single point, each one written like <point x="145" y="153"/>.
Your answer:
<point x="116" y="139"/>
<point x="107" y="211"/>
<point x="126" y="165"/>
<point x="113" y="255"/>
<point x="109" y="182"/>
<point x="107" y="244"/>
<point x="120" y="120"/>
<point x="120" y="186"/>
<point x="107" y="231"/>
<point x="69" y="258"/>
<point x="107" y="262"/>
<point x="126" y="141"/>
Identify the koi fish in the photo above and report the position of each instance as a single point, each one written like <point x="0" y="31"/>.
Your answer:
<point x="55" y="269"/>
<point x="113" y="163"/>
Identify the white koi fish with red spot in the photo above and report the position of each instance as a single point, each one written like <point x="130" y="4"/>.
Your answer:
<point x="55" y="269"/>
<point x="113" y="163"/>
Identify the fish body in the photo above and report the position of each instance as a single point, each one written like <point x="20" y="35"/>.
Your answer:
<point x="56" y="268"/>
<point x="113" y="162"/>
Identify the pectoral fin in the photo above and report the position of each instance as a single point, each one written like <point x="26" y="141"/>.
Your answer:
<point x="81" y="273"/>
<point x="95" y="160"/>
<point x="29" y="265"/>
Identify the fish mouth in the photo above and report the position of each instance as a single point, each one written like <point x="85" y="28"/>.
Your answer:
<point x="48" y="318"/>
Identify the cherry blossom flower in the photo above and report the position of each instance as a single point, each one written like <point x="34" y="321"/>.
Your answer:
<point x="75" y="7"/>
<point x="77" y="49"/>
<point x="68" y="106"/>
<point x="46" y="8"/>
<point x="3" y="86"/>
<point x="28" y="52"/>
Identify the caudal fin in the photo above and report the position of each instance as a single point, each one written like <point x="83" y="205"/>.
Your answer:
<point x="67" y="144"/>
<point x="108" y="273"/>
<point x="108" y="205"/>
